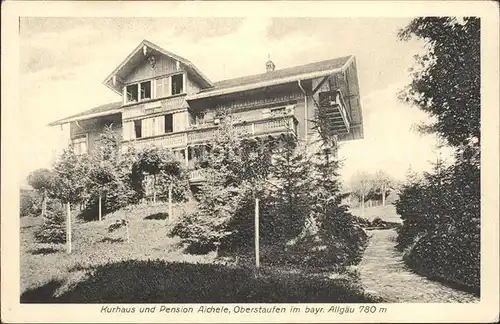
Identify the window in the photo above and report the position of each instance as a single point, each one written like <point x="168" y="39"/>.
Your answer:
<point x="80" y="145"/>
<point x="146" y="90"/>
<point x="177" y="84"/>
<point x="162" y="87"/>
<point x="169" y="123"/>
<point x="132" y="93"/>
<point x="138" y="128"/>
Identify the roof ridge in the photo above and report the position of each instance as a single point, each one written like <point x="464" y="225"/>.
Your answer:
<point x="284" y="69"/>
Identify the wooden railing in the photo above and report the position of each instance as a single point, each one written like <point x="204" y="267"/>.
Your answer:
<point x="268" y="126"/>
<point x="196" y="175"/>
<point x="342" y="108"/>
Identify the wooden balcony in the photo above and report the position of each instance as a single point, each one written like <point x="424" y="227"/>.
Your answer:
<point x="332" y="114"/>
<point x="275" y="125"/>
<point x="196" y="176"/>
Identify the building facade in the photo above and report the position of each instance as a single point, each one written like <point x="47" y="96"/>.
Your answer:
<point x="168" y="101"/>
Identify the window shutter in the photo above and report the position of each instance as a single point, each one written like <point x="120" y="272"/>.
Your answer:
<point x="128" y="130"/>
<point x="146" y="128"/>
<point x="159" y="88"/>
<point x="160" y="123"/>
<point x="154" y="129"/>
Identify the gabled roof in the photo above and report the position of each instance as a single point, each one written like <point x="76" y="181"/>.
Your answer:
<point x="102" y="110"/>
<point x="301" y="72"/>
<point x="292" y="74"/>
<point x="136" y="57"/>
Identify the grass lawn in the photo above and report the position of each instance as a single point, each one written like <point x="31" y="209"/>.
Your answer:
<point x="104" y="267"/>
<point x="386" y="213"/>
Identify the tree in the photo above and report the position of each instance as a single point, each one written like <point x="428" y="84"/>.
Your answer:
<point x="441" y="210"/>
<point x="104" y="175"/>
<point x="446" y="79"/>
<point x="383" y="183"/>
<point x="159" y="162"/>
<point x="71" y="183"/>
<point x="291" y="193"/>
<point x="43" y="181"/>
<point x="361" y="185"/>
<point x="235" y="171"/>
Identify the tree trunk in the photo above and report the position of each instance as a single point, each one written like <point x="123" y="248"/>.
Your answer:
<point x="100" y="205"/>
<point x="383" y="196"/>
<point x="44" y="204"/>
<point x="169" y="201"/>
<point x="154" y="189"/>
<point x="363" y="205"/>
<point x="68" y="227"/>
<point x="257" y="244"/>
<point x="126" y="227"/>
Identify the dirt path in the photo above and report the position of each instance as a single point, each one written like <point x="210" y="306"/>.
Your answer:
<point x="383" y="273"/>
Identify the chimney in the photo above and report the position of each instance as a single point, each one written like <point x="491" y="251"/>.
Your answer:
<point x="269" y="64"/>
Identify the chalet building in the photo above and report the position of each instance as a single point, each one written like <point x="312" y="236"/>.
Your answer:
<point x="168" y="101"/>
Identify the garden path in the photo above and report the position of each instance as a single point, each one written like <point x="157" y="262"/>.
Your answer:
<point x="383" y="273"/>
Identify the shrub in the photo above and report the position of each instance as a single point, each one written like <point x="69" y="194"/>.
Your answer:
<point x="52" y="230"/>
<point x="441" y="224"/>
<point x="30" y="203"/>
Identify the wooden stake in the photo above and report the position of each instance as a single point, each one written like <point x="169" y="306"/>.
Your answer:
<point x="169" y="201"/>
<point x="154" y="189"/>
<point x="100" y="205"/>
<point x="257" y="247"/>
<point x="68" y="227"/>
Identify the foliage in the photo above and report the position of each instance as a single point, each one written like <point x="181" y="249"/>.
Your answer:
<point x="52" y="230"/>
<point x="361" y="184"/>
<point x="220" y="195"/>
<point x="71" y="177"/>
<point x="163" y="167"/>
<point x="446" y="79"/>
<point x="441" y="211"/>
<point x="332" y="236"/>
<point x="109" y="175"/>
<point x="30" y="203"/>
<point x="119" y="223"/>
<point x="302" y="220"/>
<point x="43" y="181"/>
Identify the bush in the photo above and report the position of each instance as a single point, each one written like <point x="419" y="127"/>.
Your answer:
<point x="460" y="252"/>
<point x="441" y="224"/>
<point x="30" y="203"/>
<point x="53" y="228"/>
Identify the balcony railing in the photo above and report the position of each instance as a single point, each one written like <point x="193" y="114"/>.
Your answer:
<point x="196" y="175"/>
<point x="269" y="126"/>
<point x="332" y="115"/>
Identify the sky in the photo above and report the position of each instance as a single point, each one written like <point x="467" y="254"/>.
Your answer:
<point x="63" y="62"/>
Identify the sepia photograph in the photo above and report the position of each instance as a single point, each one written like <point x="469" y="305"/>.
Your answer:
<point x="266" y="165"/>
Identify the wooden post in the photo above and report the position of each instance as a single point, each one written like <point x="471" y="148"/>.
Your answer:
<point x="68" y="227"/>
<point x="363" y="205"/>
<point x="126" y="227"/>
<point x="154" y="189"/>
<point x="169" y="201"/>
<point x="44" y="204"/>
<point x="100" y="205"/>
<point x="257" y="245"/>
